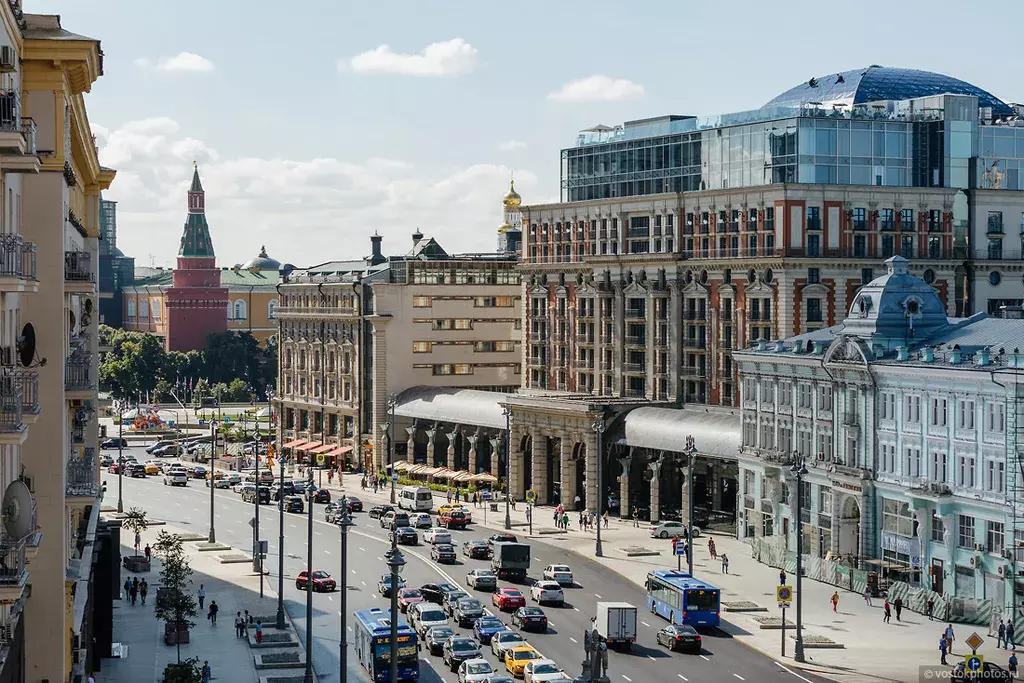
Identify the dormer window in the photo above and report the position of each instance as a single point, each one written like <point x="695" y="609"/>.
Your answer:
<point x="913" y="307"/>
<point x="863" y="305"/>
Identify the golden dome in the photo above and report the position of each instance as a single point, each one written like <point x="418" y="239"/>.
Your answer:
<point x="505" y="227"/>
<point x="512" y="199"/>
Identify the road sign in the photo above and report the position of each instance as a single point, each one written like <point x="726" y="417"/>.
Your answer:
<point x="531" y="496"/>
<point x="974" y="662"/>
<point x="394" y="477"/>
<point x="320" y="459"/>
<point x="252" y="522"/>
<point x="974" y="641"/>
<point x="784" y="594"/>
<point x="679" y="547"/>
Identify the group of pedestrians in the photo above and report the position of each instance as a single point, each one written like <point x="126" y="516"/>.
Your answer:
<point x="561" y="518"/>
<point x="242" y="624"/>
<point x="135" y="589"/>
<point x="1005" y="635"/>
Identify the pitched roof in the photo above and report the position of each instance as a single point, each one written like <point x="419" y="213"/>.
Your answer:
<point x="195" y="239"/>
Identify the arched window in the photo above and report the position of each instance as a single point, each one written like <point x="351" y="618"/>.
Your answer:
<point x="240" y="310"/>
<point x="271" y="308"/>
<point x="143" y="309"/>
<point x="155" y="307"/>
<point x="131" y="309"/>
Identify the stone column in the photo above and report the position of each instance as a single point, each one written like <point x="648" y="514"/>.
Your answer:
<point x="496" y="443"/>
<point x="410" y="445"/>
<point x="618" y="339"/>
<point x="568" y="472"/>
<point x="625" y="508"/>
<point x="675" y="333"/>
<point x="593" y="458"/>
<point x="379" y="399"/>
<point x="539" y="468"/>
<point x="452" y="435"/>
<point x="650" y="327"/>
<point x="515" y="466"/>
<point x="655" y="467"/>
<point x="471" y="465"/>
<point x="431" y="432"/>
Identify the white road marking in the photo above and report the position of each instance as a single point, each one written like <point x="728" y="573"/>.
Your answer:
<point x="331" y="598"/>
<point x="651" y="658"/>
<point x="597" y="596"/>
<point x="683" y="677"/>
<point x="362" y="550"/>
<point x="573" y="639"/>
<point x="362" y="582"/>
<point x="576" y="608"/>
<point x="645" y="624"/>
<point x="327" y="551"/>
<point x="705" y="658"/>
<point x="627" y="678"/>
<point x="739" y="677"/>
<point x="790" y="671"/>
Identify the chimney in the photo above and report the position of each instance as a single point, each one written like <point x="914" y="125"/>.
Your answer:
<point x="928" y="354"/>
<point x="376" y="256"/>
<point x="902" y="353"/>
<point x="780" y="346"/>
<point x="762" y="345"/>
<point x="984" y="357"/>
<point x="954" y="358"/>
<point x="416" y="237"/>
<point x="819" y="347"/>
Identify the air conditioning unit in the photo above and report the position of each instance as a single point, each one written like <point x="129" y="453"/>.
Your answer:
<point x="8" y="58"/>
<point x="978" y="547"/>
<point x="974" y="560"/>
<point x="1002" y="570"/>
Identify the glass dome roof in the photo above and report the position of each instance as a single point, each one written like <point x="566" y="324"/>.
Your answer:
<point x="876" y="83"/>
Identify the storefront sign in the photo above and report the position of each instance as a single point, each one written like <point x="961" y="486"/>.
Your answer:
<point x="903" y="545"/>
<point x="847" y="487"/>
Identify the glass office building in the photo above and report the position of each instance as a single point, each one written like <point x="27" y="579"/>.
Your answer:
<point x="874" y="126"/>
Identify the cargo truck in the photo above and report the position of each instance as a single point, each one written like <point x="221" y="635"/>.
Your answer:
<point x="616" y="623"/>
<point x="511" y="560"/>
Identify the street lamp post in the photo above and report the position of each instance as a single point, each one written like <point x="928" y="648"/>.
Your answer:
<point x="309" y="573"/>
<point x="507" y="410"/>
<point x="120" y="455"/>
<point x="395" y="560"/>
<point x="279" y="622"/>
<point x="800" y="470"/>
<point x="343" y="524"/>
<point x="691" y="454"/>
<point x="213" y="469"/>
<point x="392" y="402"/>
<point x="599" y="427"/>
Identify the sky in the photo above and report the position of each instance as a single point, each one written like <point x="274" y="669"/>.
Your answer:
<point x="316" y="123"/>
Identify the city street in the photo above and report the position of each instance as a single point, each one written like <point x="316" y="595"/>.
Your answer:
<point x="723" y="658"/>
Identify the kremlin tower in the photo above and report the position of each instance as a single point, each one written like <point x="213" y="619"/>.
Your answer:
<point x="196" y="303"/>
<point x="510" y="234"/>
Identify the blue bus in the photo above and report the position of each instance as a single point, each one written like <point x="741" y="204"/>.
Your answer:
<point x="373" y="645"/>
<point x="682" y="599"/>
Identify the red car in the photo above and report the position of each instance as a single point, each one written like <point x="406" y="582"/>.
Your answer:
<point x="453" y="519"/>
<point x="322" y="581"/>
<point x="508" y="599"/>
<point x="113" y="468"/>
<point x="409" y="596"/>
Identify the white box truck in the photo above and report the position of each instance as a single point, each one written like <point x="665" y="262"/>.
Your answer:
<point x="616" y="623"/>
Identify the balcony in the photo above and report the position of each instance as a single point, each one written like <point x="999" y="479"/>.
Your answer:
<point x="536" y="362"/>
<point x="635" y="314"/>
<point x="12" y="424"/>
<point x="695" y="371"/>
<point x="585" y="339"/>
<point x="696" y="343"/>
<point x="13" y="569"/>
<point x="635" y="340"/>
<point x="83" y="475"/>
<point x="632" y="392"/>
<point x="78" y="374"/>
<point x="17" y="264"/>
<point x="634" y="367"/>
<point x="539" y="336"/>
<point x="661" y="342"/>
<point x="851" y="419"/>
<point x="605" y="365"/>
<point x="79" y="276"/>
<point x="17" y="136"/>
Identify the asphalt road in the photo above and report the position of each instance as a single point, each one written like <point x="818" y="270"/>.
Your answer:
<point x="723" y="658"/>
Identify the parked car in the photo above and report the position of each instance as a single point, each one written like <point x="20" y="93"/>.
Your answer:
<point x="457" y="650"/>
<point x="437" y="535"/>
<point x="114" y="443"/>
<point x="384" y="585"/>
<point x="405" y="535"/>
<point x="478" y="550"/>
<point x="530" y="619"/>
<point x="407" y="597"/>
<point x="547" y="591"/>
<point x="474" y="670"/>
<point x="482" y="580"/>
<point x="136" y="471"/>
<point x="322" y="581"/>
<point x="560" y="573"/>
<point x="293" y="504"/>
<point x="175" y="476"/>
<point x="503" y="641"/>
<point x="508" y="599"/>
<point x="670" y="528"/>
<point x="378" y="511"/>
<point x="467" y="610"/>
<point x="682" y="638"/>
<point x="485" y="627"/>
<point x="435" y="638"/>
<point x="435" y="592"/>
<point x="420" y="520"/>
<point x="443" y="552"/>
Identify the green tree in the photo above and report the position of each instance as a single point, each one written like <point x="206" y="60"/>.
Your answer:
<point x="230" y="355"/>
<point x="133" y="366"/>
<point x="135" y="521"/>
<point x="175" y="605"/>
<point x="237" y="391"/>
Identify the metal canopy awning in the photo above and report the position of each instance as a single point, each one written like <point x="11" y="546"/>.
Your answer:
<point x="457" y="406"/>
<point x="716" y="433"/>
<point x="293" y="444"/>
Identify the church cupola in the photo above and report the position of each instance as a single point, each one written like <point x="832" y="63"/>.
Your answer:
<point x="196" y="196"/>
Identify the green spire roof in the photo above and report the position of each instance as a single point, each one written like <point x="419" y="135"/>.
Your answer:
<point x="195" y="240"/>
<point x="196" y="185"/>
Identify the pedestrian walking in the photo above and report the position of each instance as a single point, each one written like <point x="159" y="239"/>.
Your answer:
<point x="202" y="595"/>
<point x="1009" y="635"/>
<point x="207" y="671"/>
<point x="606" y="519"/>
<point x="725" y="563"/>
<point x="134" y="592"/>
<point x="636" y="517"/>
<point x="712" y="550"/>
<point x="138" y="542"/>
<point x="212" y="614"/>
<point x="886" y="612"/>
<point x="898" y="605"/>
<point x="239" y="625"/>
<point x="943" y="646"/>
<point x="149" y="552"/>
<point x="557" y="517"/>
<point x="950" y="638"/>
<point x="565" y="521"/>
<point x="782" y="577"/>
<point x="449" y="494"/>
<point x="1001" y="635"/>
<point x="330" y="477"/>
<point x="867" y="597"/>
<point x="929" y="609"/>
<point x="1012" y="665"/>
<point x="259" y="631"/>
<point x="127" y="589"/>
<point x="835" y="601"/>
<point x="143" y="591"/>
<point x="457" y="493"/>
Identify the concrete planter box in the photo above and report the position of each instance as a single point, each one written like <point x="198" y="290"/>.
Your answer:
<point x="173" y="636"/>
<point x="280" y="660"/>
<point x="136" y="563"/>
<point x="272" y="640"/>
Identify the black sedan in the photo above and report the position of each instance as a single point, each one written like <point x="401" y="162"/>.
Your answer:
<point x="292" y="504"/>
<point x="321" y="496"/>
<point x="443" y="552"/>
<point x="682" y="638"/>
<point x="435" y="592"/>
<point x="114" y="443"/>
<point x="530" y="619"/>
<point x="378" y="511"/>
<point x="136" y="471"/>
<point x="354" y="504"/>
<point x="405" y="536"/>
<point x="478" y="550"/>
<point x="458" y="649"/>
<point x="436" y="638"/>
<point x="501" y="538"/>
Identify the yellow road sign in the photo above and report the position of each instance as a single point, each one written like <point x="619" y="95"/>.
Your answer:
<point x="974" y="663"/>
<point x="974" y="641"/>
<point x="320" y="459"/>
<point x="531" y="496"/>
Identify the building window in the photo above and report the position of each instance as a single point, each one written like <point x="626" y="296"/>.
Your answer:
<point x="143" y="309"/>
<point x="965" y="418"/>
<point x="494" y="302"/>
<point x="897" y="518"/>
<point x="813" y="218"/>
<point x="887" y="217"/>
<point x="813" y="276"/>
<point x="993" y="537"/>
<point x="939" y="466"/>
<point x="996" y="418"/>
<point x="131" y="309"/>
<point x="995" y="476"/>
<point x="422" y="302"/>
<point x="814" y="310"/>
<point x="860" y="219"/>
<point x="938" y="529"/>
<point x="965" y="471"/>
<point x="912" y="409"/>
<point x="866" y="275"/>
<point x="912" y="462"/>
<point x="272" y="309"/>
<point x="906" y="219"/>
<point x="938" y="412"/>
<point x="995" y="221"/>
<point x="965" y="531"/>
<point x="421" y="347"/>
<point x="239" y="310"/>
<point x="994" y="278"/>
<point x="155" y="308"/>
<point x="463" y="369"/>
<point x="888" y="457"/>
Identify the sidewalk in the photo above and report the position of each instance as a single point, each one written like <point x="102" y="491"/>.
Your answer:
<point x="233" y="586"/>
<point x="871" y="650"/>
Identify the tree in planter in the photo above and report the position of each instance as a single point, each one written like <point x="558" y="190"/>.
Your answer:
<point x="136" y="523"/>
<point x="189" y="671"/>
<point x="175" y="605"/>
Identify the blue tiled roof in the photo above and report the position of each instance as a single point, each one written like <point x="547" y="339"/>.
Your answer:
<point x="876" y="83"/>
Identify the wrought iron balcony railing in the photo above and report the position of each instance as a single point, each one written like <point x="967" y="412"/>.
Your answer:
<point x="83" y="475"/>
<point x="17" y="257"/>
<point x="78" y="267"/>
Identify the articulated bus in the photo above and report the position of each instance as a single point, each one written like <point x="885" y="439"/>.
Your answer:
<point x="682" y="599"/>
<point x="372" y="630"/>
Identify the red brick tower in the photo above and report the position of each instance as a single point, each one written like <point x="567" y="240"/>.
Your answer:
<point x="196" y="303"/>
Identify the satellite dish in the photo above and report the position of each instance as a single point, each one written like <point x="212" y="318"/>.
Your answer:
<point x="27" y="345"/>
<point x="17" y="510"/>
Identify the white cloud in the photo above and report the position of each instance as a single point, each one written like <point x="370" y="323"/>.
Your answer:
<point x="598" y="89"/>
<point x="449" y="58"/>
<point x="305" y="211"/>
<point x="183" y="61"/>
<point x="511" y="145"/>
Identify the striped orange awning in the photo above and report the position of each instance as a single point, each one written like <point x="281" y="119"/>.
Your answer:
<point x="308" y="446"/>
<point x="293" y="444"/>
<point x="324" y="448"/>
<point x="340" y="450"/>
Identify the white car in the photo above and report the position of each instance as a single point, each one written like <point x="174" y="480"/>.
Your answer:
<point x="420" y="520"/>
<point x="667" y="529"/>
<point x="425" y="615"/>
<point x="503" y="641"/>
<point x="560" y="573"/>
<point x="538" y="670"/>
<point x="435" y="535"/>
<point x="175" y="476"/>
<point x="475" y="670"/>
<point x="547" y="591"/>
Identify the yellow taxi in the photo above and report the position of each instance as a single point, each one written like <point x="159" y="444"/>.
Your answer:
<point x="441" y="509"/>
<point x="152" y="468"/>
<point x="517" y="657"/>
